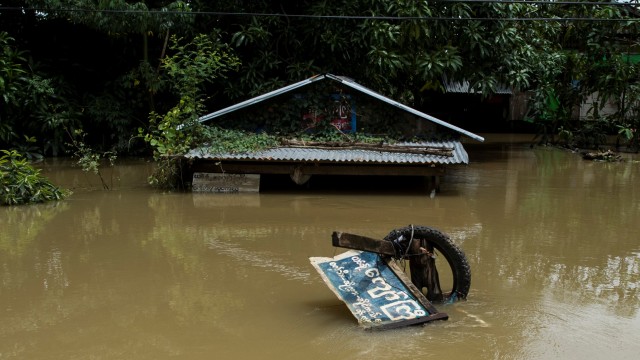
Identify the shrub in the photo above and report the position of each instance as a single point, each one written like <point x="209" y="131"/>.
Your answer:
<point x="21" y="183"/>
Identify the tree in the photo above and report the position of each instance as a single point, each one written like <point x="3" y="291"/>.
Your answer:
<point x="398" y="49"/>
<point x="188" y="68"/>
<point x="32" y="104"/>
<point x="593" y="60"/>
<point x="103" y="61"/>
<point x="102" y="58"/>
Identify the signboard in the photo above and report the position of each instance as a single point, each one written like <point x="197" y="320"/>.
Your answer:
<point x="374" y="293"/>
<point x="225" y="183"/>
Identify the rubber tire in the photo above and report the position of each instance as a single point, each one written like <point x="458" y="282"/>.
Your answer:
<point x="453" y="254"/>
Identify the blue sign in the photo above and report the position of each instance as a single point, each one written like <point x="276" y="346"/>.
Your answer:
<point x="372" y="291"/>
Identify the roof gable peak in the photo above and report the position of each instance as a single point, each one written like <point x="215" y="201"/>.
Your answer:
<point x="347" y="82"/>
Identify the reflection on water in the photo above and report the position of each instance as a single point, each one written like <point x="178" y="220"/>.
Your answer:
<point x="139" y="274"/>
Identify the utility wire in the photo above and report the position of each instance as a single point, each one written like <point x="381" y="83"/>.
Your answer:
<point x="355" y="17"/>
<point x="543" y="2"/>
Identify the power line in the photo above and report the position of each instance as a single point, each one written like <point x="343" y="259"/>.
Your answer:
<point x="356" y="17"/>
<point x="544" y="2"/>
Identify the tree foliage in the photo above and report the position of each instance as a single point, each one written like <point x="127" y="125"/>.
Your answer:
<point x="188" y="68"/>
<point x="596" y="62"/>
<point x="98" y="65"/>
<point x="21" y="183"/>
<point x="403" y="46"/>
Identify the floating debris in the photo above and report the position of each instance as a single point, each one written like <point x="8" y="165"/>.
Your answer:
<point x="608" y="156"/>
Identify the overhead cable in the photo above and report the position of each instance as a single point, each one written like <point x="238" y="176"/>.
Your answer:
<point x="44" y="11"/>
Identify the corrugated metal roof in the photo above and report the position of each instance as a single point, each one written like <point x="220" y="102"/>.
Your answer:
<point x="346" y="81"/>
<point x="464" y="87"/>
<point x="457" y="155"/>
<point x="354" y="85"/>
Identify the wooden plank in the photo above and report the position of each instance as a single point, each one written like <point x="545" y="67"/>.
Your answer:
<point x="377" y="296"/>
<point x="424" y="273"/>
<point x="411" y="287"/>
<point x="225" y="183"/>
<point x="359" y="242"/>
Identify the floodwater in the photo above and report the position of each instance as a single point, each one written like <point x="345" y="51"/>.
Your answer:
<point x="134" y="273"/>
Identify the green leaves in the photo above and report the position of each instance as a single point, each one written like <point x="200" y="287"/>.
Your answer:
<point x="20" y="183"/>
<point x="626" y="132"/>
<point x="119" y="18"/>
<point x="91" y="160"/>
<point x="221" y="140"/>
<point x="404" y="45"/>
<point x="11" y="71"/>
<point x="250" y="34"/>
<point x="197" y="62"/>
<point x="436" y="63"/>
<point x="386" y="61"/>
<point x="189" y="66"/>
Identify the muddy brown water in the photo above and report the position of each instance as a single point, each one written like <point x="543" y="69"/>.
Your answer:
<point x="134" y="273"/>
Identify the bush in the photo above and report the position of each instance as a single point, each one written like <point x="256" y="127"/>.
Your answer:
<point x="21" y="183"/>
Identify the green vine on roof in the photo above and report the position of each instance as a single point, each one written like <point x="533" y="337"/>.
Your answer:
<point x="219" y="140"/>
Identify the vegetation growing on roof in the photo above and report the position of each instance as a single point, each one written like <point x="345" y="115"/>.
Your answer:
<point x="218" y="140"/>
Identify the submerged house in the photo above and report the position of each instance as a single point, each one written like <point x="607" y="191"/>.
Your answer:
<point x="426" y="147"/>
<point x="459" y="102"/>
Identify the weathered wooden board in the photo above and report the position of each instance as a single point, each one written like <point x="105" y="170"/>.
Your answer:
<point x="359" y="242"/>
<point x="225" y="182"/>
<point x="373" y="291"/>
